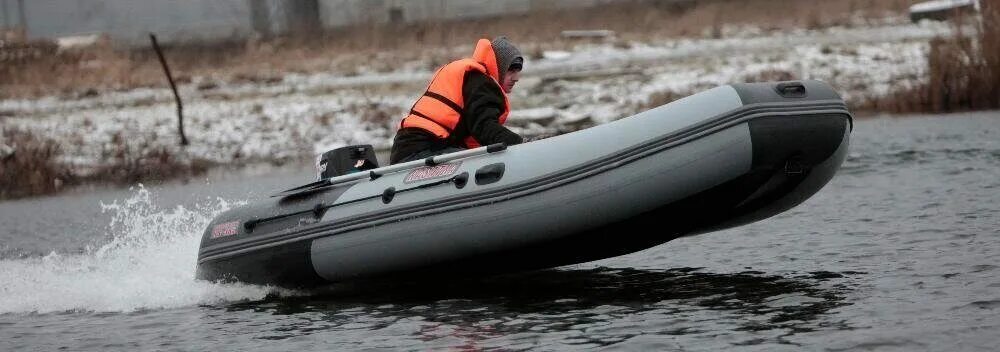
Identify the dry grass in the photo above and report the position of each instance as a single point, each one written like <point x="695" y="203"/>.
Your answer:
<point x="964" y="73"/>
<point x="663" y="97"/>
<point x="29" y="165"/>
<point x="126" y="163"/>
<point x="345" y="49"/>
<point x="771" y="76"/>
<point x="660" y="98"/>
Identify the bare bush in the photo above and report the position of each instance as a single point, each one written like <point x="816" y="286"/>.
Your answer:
<point x="662" y="98"/>
<point x="32" y="165"/>
<point x="129" y="164"/>
<point x="964" y="72"/>
<point x="770" y="76"/>
<point x="29" y="165"/>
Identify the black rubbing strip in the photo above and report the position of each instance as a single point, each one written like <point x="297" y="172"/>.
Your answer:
<point x="420" y="114"/>
<point x="446" y="101"/>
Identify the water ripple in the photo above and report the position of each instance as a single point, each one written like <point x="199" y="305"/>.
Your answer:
<point x="578" y="301"/>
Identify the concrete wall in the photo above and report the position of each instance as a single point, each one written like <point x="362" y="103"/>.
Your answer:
<point x="269" y="17"/>
<point x="8" y="14"/>
<point x="336" y="13"/>
<point x="130" y="21"/>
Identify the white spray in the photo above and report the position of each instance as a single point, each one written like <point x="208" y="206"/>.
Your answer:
<point x="148" y="263"/>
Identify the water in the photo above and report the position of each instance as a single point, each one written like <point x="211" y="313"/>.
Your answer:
<point x="899" y="252"/>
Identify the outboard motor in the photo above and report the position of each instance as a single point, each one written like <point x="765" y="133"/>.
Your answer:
<point x="345" y="160"/>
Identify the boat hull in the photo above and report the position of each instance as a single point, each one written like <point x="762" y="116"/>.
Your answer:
<point x="719" y="159"/>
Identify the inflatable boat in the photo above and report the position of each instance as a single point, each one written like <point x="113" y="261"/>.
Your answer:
<point x="721" y="158"/>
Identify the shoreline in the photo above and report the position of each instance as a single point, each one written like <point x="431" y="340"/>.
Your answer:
<point x="129" y="135"/>
<point x="222" y="172"/>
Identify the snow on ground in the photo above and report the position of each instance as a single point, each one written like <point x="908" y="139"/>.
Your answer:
<point x="247" y="130"/>
<point x="305" y="114"/>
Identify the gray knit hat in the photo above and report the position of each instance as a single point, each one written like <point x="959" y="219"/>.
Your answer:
<point x="508" y="56"/>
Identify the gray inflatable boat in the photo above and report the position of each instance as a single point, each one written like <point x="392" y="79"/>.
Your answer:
<point x="714" y="160"/>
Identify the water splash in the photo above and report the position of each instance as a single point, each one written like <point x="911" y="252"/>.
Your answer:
<point x="147" y="263"/>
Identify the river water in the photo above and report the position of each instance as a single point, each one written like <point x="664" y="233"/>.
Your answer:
<point x="901" y="251"/>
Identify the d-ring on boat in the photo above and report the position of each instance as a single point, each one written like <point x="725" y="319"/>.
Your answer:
<point x="721" y="158"/>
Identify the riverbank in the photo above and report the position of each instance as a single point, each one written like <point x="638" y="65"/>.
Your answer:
<point x="897" y="252"/>
<point x="286" y="114"/>
<point x="42" y="69"/>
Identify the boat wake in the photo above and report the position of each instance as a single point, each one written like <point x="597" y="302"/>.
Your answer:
<point x="147" y="262"/>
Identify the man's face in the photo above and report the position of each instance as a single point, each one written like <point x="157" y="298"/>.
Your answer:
<point x="509" y="79"/>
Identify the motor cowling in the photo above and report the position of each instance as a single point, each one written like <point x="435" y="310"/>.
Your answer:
<point x="345" y="160"/>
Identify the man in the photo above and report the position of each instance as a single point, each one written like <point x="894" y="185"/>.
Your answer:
<point x="464" y="106"/>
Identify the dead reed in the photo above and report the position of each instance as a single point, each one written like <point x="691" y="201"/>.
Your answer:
<point x="127" y="164"/>
<point x="964" y="71"/>
<point x="29" y="165"/>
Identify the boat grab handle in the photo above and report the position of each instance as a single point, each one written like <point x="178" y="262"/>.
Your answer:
<point x="387" y="195"/>
<point x="379" y="172"/>
<point x="431" y="161"/>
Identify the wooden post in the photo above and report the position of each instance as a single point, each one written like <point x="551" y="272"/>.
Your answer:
<point x="177" y="97"/>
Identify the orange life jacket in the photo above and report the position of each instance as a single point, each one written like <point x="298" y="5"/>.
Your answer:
<point x="440" y="108"/>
